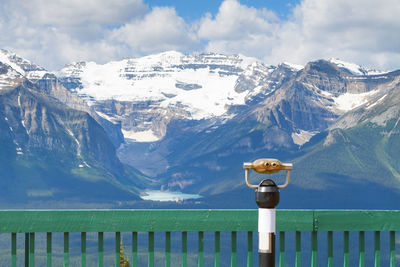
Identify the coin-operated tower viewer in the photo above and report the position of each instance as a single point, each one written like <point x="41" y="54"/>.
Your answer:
<point x="267" y="198"/>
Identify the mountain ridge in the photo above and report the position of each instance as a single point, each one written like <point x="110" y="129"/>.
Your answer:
<point x="311" y="113"/>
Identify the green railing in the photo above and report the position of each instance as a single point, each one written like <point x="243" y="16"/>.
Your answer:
<point x="200" y="222"/>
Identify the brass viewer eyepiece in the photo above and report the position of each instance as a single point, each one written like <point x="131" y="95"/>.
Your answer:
<point x="267" y="166"/>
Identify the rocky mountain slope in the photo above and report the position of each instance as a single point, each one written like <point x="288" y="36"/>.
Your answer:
<point x="51" y="151"/>
<point x="190" y="121"/>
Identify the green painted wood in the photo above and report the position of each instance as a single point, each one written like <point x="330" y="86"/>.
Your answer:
<point x="217" y="249"/>
<point x="377" y="249"/>
<point x="361" y="249"/>
<point x="22" y="221"/>
<point x="49" y="249"/>
<point x="13" y="249"/>
<point x="330" y="248"/>
<point x="150" y="250"/>
<point x="117" y="248"/>
<point x="282" y="249"/>
<point x="83" y="249"/>
<point x="200" y="257"/>
<point x="298" y="249"/>
<point x="26" y="249"/>
<point x="249" y="249"/>
<point x="31" y="249"/>
<point x="18" y="221"/>
<point x="357" y="220"/>
<point x="233" y="249"/>
<point x="134" y="249"/>
<point x="314" y="249"/>
<point x="128" y="220"/>
<point x="100" y="252"/>
<point x="392" y="249"/>
<point x="184" y="249"/>
<point x="293" y="220"/>
<point x="66" y="249"/>
<point x="168" y="249"/>
<point x="346" y="249"/>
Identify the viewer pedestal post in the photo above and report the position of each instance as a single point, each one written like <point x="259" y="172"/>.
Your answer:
<point x="267" y="198"/>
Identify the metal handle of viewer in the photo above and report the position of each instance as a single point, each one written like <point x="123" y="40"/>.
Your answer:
<point x="267" y="166"/>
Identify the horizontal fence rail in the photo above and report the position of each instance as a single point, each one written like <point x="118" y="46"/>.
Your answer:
<point x="305" y="224"/>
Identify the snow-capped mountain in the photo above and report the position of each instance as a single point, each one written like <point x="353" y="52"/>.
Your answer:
<point x="146" y="94"/>
<point x="168" y="86"/>
<point x="22" y="66"/>
<point x="203" y="84"/>
<point x="189" y="121"/>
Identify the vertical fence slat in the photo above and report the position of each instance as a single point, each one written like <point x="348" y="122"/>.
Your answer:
<point x="217" y="254"/>
<point x="66" y="249"/>
<point x="361" y="249"/>
<point x="31" y="249"/>
<point x="14" y="249"/>
<point x="346" y="249"/>
<point x="83" y="249"/>
<point x="167" y="249"/>
<point x="249" y="249"/>
<point x="26" y="249"/>
<point x="314" y="249"/>
<point x="117" y="248"/>
<point x="100" y="241"/>
<point x="233" y="249"/>
<point x="281" y="249"/>
<point x="150" y="260"/>
<point x="134" y="249"/>
<point x="330" y="249"/>
<point x="298" y="249"/>
<point x="184" y="249"/>
<point x="392" y="248"/>
<point x="200" y="259"/>
<point x="377" y="249"/>
<point x="49" y="248"/>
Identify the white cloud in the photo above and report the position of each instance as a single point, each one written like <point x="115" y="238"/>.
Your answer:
<point x="55" y="32"/>
<point x="235" y="22"/>
<point x="363" y="31"/>
<point x="76" y="12"/>
<point x="161" y="29"/>
<point x="239" y="29"/>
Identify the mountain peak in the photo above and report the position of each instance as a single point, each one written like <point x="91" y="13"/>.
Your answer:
<point x="354" y="68"/>
<point x="294" y="67"/>
<point x="22" y="65"/>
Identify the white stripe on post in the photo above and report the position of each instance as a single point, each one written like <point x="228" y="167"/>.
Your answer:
<point x="266" y="229"/>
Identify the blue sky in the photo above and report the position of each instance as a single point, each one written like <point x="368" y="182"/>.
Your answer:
<point x="196" y="9"/>
<point x="53" y="33"/>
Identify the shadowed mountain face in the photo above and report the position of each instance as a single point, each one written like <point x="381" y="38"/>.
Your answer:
<point x="51" y="152"/>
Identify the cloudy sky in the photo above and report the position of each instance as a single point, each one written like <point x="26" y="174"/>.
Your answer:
<point x="53" y="33"/>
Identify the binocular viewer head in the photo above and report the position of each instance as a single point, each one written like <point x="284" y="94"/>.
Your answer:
<point x="267" y="166"/>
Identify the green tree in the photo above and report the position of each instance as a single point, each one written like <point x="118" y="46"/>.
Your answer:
<point x="123" y="261"/>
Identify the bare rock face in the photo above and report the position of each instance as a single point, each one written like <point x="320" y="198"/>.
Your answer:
<point x="51" y="146"/>
<point x="37" y="122"/>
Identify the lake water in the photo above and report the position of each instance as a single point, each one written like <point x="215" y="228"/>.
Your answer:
<point x="158" y="195"/>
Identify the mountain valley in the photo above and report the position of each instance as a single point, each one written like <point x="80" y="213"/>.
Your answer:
<point x="186" y="123"/>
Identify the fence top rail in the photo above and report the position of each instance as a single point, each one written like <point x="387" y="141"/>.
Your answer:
<point x="19" y="221"/>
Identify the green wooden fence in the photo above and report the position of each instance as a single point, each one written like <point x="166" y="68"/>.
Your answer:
<point x="30" y="222"/>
